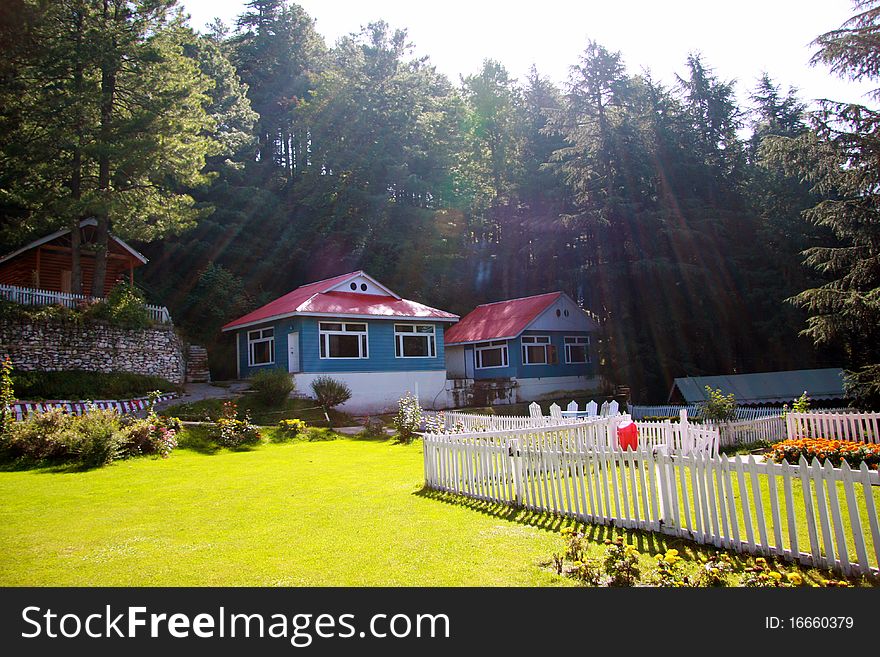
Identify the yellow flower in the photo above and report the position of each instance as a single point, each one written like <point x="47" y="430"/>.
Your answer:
<point x="775" y="575"/>
<point x="795" y="578"/>
<point x="673" y="552"/>
<point x="761" y="561"/>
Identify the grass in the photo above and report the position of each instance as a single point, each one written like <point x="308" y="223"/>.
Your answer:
<point x="303" y="409"/>
<point x="81" y="385"/>
<point x="324" y="512"/>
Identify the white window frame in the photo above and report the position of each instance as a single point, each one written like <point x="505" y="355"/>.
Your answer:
<point x="577" y="340"/>
<point x="363" y="340"/>
<point x="402" y="331"/>
<point x="536" y="341"/>
<point x="260" y="338"/>
<point x="489" y="346"/>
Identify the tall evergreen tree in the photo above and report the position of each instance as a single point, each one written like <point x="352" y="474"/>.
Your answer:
<point x="838" y="157"/>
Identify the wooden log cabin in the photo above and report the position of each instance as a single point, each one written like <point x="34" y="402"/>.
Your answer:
<point x="46" y="263"/>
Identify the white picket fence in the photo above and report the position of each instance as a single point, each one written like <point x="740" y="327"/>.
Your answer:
<point x="669" y="435"/>
<point x="737" y="503"/>
<point x="28" y="296"/>
<point x="743" y="413"/>
<point x="747" y="432"/>
<point x="860" y="427"/>
<point x="478" y="422"/>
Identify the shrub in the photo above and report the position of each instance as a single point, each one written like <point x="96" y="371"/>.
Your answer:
<point x="79" y="384"/>
<point x="124" y="307"/>
<point x="715" y="570"/>
<point x="719" y="407"/>
<point x="621" y="563"/>
<point x="229" y="431"/>
<point x="97" y="438"/>
<point x="314" y="434"/>
<point x="40" y="436"/>
<point x="7" y="396"/>
<point x="373" y="428"/>
<point x="408" y="419"/>
<point x="329" y="392"/>
<point x="669" y="573"/>
<point x="153" y="435"/>
<point x="272" y="386"/>
<point x="291" y="428"/>
<point x="837" y="451"/>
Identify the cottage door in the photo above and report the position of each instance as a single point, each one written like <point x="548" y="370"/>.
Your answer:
<point x="293" y="352"/>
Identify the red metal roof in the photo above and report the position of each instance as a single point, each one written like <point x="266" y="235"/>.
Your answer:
<point x="504" y="319"/>
<point x="313" y="299"/>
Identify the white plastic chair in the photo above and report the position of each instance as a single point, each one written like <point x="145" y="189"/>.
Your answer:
<point x="572" y="406"/>
<point x="592" y="409"/>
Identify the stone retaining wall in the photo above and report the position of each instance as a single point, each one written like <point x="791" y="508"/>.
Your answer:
<point x="58" y="345"/>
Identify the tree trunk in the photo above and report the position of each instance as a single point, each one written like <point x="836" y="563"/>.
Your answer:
<point x="102" y="232"/>
<point x="76" y="168"/>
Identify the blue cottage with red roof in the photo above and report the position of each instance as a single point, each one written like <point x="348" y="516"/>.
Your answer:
<point x="355" y="329"/>
<point x="521" y="350"/>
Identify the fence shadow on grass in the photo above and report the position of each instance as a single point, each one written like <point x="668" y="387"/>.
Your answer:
<point x="649" y="543"/>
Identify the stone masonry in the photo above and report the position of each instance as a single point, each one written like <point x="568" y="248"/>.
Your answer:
<point x="59" y="345"/>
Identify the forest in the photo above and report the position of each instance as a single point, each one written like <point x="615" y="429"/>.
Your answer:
<point x="706" y="235"/>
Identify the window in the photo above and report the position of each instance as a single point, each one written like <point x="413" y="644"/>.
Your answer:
<point x="491" y="354"/>
<point x="261" y="347"/>
<point x="577" y="349"/>
<point x="414" y="341"/>
<point x="537" y="350"/>
<point x="342" y="340"/>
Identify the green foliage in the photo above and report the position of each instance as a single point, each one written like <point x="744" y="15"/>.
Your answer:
<point x="408" y="419"/>
<point x="374" y="427"/>
<point x="230" y="431"/>
<point x="7" y="395"/>
<point x="718" y="407"/>
<point x="669" y="572"/>
<point x="330" y="392"/>
<point x="78" y="385"/>
<point x="124" y="307"/>
<point x="272" y="386"/>
<point x="621" y="563"/>
<point x="90" y="440"/>
<point x="801" y="404"/>
<point x="291" y="428"/>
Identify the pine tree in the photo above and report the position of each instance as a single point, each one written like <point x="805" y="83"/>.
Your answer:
<point x="838" y="157"/>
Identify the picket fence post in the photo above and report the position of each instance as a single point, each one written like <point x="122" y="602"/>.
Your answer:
<point x="515" y="459"/>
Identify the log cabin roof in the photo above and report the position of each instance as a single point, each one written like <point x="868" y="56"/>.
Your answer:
<point x="66" y="231"/>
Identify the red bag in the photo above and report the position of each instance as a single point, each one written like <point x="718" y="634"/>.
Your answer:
<point x="628" y="435"/>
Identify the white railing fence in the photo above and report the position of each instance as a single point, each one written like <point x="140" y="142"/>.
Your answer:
<point x="696" y="410"/>
<point x="27" y="296"/>
<point x="737" y="503"/>
<point x="748" y="432"/>
<point x="670" y="436"/>
<point x="860" y="427"/>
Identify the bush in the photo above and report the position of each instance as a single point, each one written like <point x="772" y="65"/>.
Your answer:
<point x="373" y="428"/>
<point x="291" y="428"/>
<point x="124" y="307"/>
<point x="92" y="439"/>
<point x="97" y="438"/>
<point x="79" y="384"/>
<point x="153" y="435"/>
<point x="837" y="451"/>
<point x="272" y="386"/>
<point x="330" y="392"/>
<point x="229" y="431"/>
<point x="719" y="407"/>
<point x="409" y="417"/>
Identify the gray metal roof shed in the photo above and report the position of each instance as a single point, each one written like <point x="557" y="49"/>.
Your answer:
<point x="766" y="387"/>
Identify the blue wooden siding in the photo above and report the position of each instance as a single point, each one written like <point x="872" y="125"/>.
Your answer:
<point x="516" y="368"/>
<point x="380" y="345"/>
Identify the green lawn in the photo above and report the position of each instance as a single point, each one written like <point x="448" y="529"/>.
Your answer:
<point x="340" y="512"/>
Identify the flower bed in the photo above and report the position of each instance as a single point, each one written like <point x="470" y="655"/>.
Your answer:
<point x="836" y="451"/>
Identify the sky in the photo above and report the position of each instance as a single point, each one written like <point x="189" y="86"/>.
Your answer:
<point x="738" y="41"/>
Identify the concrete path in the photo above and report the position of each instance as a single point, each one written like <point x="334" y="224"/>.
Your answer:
<point x="194" y="392"/>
